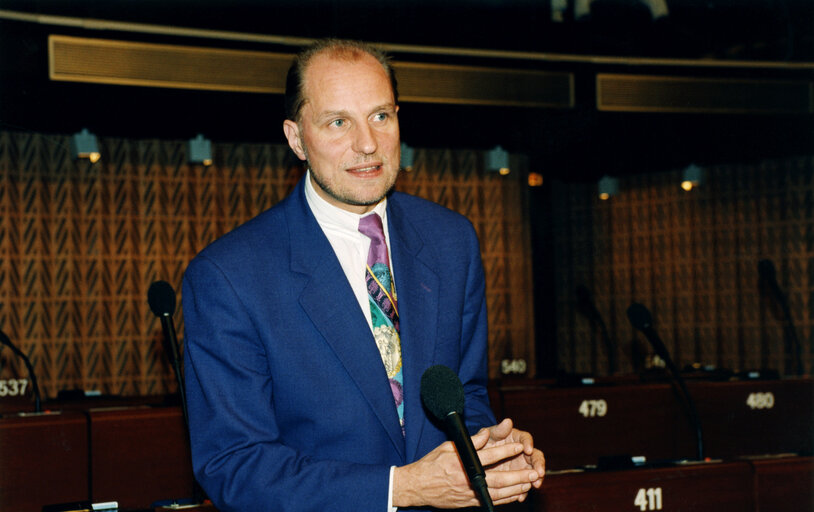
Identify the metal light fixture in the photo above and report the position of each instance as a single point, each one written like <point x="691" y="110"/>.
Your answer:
<point x="692" y="177"/>
<point x="657" y="8"/>
<point x="558" y="9"/>
<point x="608" y="187"/>
<point x="199" y="151"/>
<point x="85" y="145"/>
<point x="407" y="157"/>
<point x="497" y="160"/>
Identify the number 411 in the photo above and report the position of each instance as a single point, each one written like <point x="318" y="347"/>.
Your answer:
<point x="648" y="499"/>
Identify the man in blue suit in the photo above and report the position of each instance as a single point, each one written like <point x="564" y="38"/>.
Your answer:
<point x="298" y="398"/>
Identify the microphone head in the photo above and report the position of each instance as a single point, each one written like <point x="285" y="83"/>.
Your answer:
<point x="161" y="298"/>
<point x="442" y="392"/>
<point x="639" y="316"/>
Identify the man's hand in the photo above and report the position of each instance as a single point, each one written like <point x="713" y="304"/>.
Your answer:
<point x="529" y="458"/>
<point x="438" y="479"/>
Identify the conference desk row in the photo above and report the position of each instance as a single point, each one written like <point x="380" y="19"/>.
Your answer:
<point x="575" y="426"/>
<point x="762" y="485"/>
<point x="758" y="435"/>
<point x="132" y="455"/>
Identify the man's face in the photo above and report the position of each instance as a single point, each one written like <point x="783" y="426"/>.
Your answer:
<point x="348" y="131"/>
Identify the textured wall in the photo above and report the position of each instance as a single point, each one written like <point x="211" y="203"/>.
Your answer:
<point x="80" y="244"/>
<point x="692" y="259"/>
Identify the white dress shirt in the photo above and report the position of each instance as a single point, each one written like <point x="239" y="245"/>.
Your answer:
<point x="350" y="246"/>
<point x="341" y="227"/>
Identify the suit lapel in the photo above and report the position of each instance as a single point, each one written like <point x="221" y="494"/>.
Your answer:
<point x="417" y="288"/>
<point x="325" y="299"/>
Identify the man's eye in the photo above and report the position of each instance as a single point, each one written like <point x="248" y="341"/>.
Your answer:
<point x="381" y="116"/>
<point x="338" y="123"/>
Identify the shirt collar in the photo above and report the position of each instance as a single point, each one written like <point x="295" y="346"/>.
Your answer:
<point x="334" y="218"/>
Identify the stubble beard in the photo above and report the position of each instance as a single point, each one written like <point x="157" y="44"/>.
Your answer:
<point x="349" y="197"/>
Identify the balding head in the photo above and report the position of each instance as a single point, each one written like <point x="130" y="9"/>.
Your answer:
<point x="339" y="49"/>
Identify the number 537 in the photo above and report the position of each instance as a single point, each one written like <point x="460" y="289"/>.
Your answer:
<point x="13" y="387"/>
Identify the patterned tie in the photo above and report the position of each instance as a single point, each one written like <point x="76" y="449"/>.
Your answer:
<point x="383" y="308"/>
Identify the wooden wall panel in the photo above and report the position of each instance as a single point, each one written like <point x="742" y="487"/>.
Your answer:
<point x="80" y="243"/>
<point x="497" y="206"/>
<point x="692" y="259"/>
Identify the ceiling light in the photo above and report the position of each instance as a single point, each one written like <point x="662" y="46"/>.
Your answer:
<point x="85" y="145"/>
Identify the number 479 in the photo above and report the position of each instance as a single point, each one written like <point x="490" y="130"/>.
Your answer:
<point x="593" y="408"/>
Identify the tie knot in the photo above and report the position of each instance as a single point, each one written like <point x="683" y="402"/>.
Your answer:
<point x="371" y="226"/>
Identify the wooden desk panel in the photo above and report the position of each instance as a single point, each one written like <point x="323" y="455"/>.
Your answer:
<point x="702" y="488"/>
<point x="140" y="455"/>
<point x="756" y="417"/>
<point x="575" y="426"/>
<point x="43" y="460"/>
<point x="739" y="418"/>
<point x="783" y="485"/>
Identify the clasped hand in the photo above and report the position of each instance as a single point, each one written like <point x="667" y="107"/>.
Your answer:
<point x="513" y="466"/>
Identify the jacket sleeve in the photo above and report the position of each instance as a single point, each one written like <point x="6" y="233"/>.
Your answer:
<point x="237" y="453"/>
<point x="473" y="371"/>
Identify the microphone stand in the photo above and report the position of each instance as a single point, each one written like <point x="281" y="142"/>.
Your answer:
<point x="694" y="418"/>
<point x="169" y="335"/>
<point x="768" y="279"/>
<point x="165" y="298"/>
<point x="586" y="306"/>
<point x="640" y="318"/>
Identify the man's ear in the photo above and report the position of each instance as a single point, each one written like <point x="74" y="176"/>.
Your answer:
<point x="292" y="133"/>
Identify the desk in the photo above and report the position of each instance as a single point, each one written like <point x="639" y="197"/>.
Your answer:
<point x="756" y="417"/>
<point x="139" y="456"/>
<point x="784" y="484"/>
<point x="44" y="460"/>
<point x="711" y="487"/>
<point x="575" y="426"/>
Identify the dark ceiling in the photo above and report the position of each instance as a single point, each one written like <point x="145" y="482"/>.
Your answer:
<point x="578" y="142"/>
<point x="727" y="29"/>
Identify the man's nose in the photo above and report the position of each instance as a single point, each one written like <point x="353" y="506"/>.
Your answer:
<point x="364" y="139"/>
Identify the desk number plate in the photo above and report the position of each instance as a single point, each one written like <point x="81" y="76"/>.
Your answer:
<point x="593" y="408"/>
<point x="13" y="387"/>
<point x="648" y="499"/>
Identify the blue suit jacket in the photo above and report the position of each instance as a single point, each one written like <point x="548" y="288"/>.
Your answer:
<point x="289" y="403"/>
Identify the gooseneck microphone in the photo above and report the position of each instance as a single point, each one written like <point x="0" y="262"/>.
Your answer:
<point x="31" y="375"/>
<point x="768" y="282"/>
<point x="443" y="395"/>
<point x="161" y="297"/>
<point x="586" y="306"/>
<point x="641" y="319"/>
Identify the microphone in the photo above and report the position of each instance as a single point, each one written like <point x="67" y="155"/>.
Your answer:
<point x="768" y="282"/>
<point x="586" y="306"/>
<point x="641" y="319"/>
<point x="161" y="298"/>
<point x="443" y="395"/>
<point x="31" y="375"/>
<point x="768" y="278"/>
